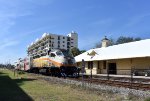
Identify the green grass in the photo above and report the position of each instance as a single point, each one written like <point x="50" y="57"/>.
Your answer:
<point x="28" y="88"/>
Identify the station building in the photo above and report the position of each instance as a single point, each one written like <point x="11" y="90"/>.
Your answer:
<point x="116" y="59"/>
<point x="50" y="41"/>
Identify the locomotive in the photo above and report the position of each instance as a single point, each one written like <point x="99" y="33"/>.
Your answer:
<point x="57" y="62"/>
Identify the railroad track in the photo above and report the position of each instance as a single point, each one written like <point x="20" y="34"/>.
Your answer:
<point x="140" y="84"/>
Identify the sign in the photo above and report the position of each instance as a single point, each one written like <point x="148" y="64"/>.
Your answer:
<point x="83" y="66"/>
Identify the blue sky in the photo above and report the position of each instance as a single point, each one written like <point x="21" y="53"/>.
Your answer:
<point x="22" y="21"/>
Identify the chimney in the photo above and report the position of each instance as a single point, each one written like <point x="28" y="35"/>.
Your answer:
<point x="105" y="42"/>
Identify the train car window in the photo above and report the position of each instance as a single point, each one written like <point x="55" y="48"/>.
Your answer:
<point x="59" y="53"/>
<point x="67" y="53"/>
<point x="53" y="55"/>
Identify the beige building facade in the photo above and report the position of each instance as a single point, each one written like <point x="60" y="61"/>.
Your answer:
<point x="117" y="59"/>
<point x="118" y="66"/>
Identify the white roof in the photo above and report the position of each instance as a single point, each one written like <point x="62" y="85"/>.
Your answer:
<point x="44" y="35"/>
<point x="121" y="51"/>
<point x="32" y="43"/>
<point x="37" y="40"/>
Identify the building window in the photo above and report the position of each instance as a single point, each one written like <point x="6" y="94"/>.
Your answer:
<point x="68" y="38"/>
<point x="63" y="37"/>
<point x="63" y="45"/>
<point x="58" y="37"/>
<point x="68" y="43"/>
<point x="53" y="55"/>
<point x="104" y="64"/>
<point x="90" y="65"/>
<point x="98" y="66"/>
<point x="63" y="41"/>
<point x="58" y="42"/>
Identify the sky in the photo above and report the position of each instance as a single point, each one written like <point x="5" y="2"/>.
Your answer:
<point x="23" y="21"/>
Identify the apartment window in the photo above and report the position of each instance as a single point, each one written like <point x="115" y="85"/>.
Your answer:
<point x="68" y="43"/>
<point x="63" y="41"/>
<point x="71" y="39"/>
<point x="72" y="42"/>
<point x="58" y="42"/>
<point x="58" y="37"/>
<point x="63" y="45"/>
<point x="52" y="45"/>
<point x="90" y="65"/>
<point x="63" y="37"/>
<point x="68" y="38"/>
<point x="104" y="64"/>
<point x="58" y="46"/>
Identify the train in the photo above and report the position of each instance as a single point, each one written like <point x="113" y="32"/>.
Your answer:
<point x="57" y="62"/>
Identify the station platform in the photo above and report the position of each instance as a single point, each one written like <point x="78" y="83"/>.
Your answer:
<point x="122" y="76"/>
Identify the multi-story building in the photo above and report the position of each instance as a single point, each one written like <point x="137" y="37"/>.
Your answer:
<point x="50" y="41"/>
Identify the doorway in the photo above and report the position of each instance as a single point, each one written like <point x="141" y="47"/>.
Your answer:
<point x="112" y="69"/>
<point x="98" y="67"/>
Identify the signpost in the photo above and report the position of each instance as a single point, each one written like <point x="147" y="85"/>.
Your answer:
<point x="92" y="54"/>
<point x="83" y="70"/>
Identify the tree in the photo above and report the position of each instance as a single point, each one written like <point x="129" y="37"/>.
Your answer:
<point x="120" y="40"/>
<point x="98" y="45"/>
<point x="123" y="39"/>
<point x="82" y="51"/>
<point x="75" y="51"/>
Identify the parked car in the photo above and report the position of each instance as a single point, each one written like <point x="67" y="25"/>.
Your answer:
<point x="141" y="72"/>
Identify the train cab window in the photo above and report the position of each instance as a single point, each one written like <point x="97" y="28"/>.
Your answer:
<point x="59" y="53"/>
<point x="53" y="55"/>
